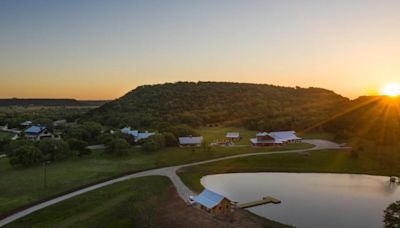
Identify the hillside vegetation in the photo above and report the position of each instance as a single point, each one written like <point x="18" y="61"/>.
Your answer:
<point x="373" y="118"/>
<point x="254" y="106"/>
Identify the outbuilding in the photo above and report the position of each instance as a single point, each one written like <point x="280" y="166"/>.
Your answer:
<point x="213" y="202"/>
<point x="233" y="136"/>
<point x="190" y="141"/>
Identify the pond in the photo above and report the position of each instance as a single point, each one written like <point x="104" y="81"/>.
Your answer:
<point x="311" y="199"/>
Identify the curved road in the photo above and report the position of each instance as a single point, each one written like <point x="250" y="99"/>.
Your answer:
<point x="183" y="191"/>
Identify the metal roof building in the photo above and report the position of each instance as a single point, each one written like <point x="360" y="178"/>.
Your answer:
<point x="213" y="202"/>
<point x="190" y="140"/>
<point x="34" y="130"/>
<point x="233" y="135"/>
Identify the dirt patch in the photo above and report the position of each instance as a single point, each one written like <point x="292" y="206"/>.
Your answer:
<point x="175" y="213"/>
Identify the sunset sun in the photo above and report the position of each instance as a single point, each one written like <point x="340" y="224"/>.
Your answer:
<point x="392" y="90"/>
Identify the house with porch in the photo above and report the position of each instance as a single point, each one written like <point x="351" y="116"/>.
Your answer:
<point x="37" y="132"/>
<point x="275" y="138"/>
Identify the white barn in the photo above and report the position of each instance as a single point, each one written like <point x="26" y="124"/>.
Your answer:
<point x="190" y="141"/>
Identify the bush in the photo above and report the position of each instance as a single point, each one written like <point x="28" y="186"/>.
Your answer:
<point x="25" y="154"/>
<point x="54" y="149"/>
<point x="170" y="139"/>
<point x="154" y="142"/>
<point x="392" y="215"/>
<point x="118" y="147"/>
<point x="79" y="146"/>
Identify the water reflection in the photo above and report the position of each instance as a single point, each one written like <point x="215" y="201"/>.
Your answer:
<point x="312" y="199"/>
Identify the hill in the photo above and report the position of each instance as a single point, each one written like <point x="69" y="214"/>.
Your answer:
<point x="254" y="106"/>
<point x="375" y="118"/>
<point x="49" y="102"/>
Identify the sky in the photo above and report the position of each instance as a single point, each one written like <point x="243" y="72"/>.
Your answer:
<point x="102" y="49"/>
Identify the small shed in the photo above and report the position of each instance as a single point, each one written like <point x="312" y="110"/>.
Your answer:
<point x="233" y="136"/>
<point x="190" y="141"/>
<point x="213" y="202"/>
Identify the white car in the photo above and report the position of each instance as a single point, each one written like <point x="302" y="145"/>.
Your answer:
<point x="191" y="200"/>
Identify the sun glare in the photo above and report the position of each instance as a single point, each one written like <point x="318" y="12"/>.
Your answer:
<point x="392" y="90"/>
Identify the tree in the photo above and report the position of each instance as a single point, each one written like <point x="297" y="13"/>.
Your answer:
<point x="392" y="215"/>
<point x="118" y="147"/>
<point x="78" y="146"/>
<point x="77" y="133"/>
<point x="170" y="139"/>
<point x="26" y="155"/>
<point x="154" y="142"/>
<point x="54" y="149"/>
<point x="93" y="128"/>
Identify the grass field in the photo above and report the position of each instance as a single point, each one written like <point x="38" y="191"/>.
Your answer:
<point x="140" y="202"/>
<point x="333" y="161"/>
<point x="131" y="203"/>
<point x="4" y="135"/>
<point x="21" y="186"/>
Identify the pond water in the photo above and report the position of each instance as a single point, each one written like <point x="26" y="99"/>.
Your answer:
<point x="311" y="199"/>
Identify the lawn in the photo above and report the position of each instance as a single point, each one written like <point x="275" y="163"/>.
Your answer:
<point x="210" y="134"/>
<point x="22" y="186"/>
<point x="4" y="135"/>
<point x="140" y="202"/>
<point x="130" y="203"/>
<point x="372" y="160"/>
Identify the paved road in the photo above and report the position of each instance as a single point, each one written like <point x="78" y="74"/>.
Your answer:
<point x="183" y="191"/>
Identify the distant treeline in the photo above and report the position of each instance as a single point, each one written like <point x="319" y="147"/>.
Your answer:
<point x="50" y="102"/>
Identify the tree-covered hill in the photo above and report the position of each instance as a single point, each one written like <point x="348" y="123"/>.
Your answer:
<point x="375" y="118"/>
<point x="254" y="106"/>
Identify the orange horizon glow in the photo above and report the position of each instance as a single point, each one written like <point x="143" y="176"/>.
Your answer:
<point x="92" y="50"/>
<point x="391" y="90"/>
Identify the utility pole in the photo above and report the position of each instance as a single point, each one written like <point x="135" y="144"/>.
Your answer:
<point x="45" y="175"/>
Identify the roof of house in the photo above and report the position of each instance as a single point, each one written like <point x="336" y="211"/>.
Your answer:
<point x="127" y="130"/>
<point x="35" y="129"/>
<point x="208" y="198"/>
<point x="232" y="135"/>
<point x="276" y="137"/>
<point x="189" y="140"/>
<point x="26" y="123"/>
<point x="143" y="135"/>
<point x="268" y="141"/>
<point x="284" y="135"/>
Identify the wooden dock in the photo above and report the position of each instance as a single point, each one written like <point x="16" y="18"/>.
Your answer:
<point x="265" y="200"/>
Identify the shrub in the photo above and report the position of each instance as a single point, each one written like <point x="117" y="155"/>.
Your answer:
<point x="154" y="142"/>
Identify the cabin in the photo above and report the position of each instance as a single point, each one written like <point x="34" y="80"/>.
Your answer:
<point x="37" y="132"/>
<point x="275" y="138"/>
<point x="136" y="134"/>
<point x="213" y="202"/>
<point x="233" y="136"/>
<point x="190" y="140"/>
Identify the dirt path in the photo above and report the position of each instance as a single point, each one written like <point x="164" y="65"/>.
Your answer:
<point x="183" y="191"/>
